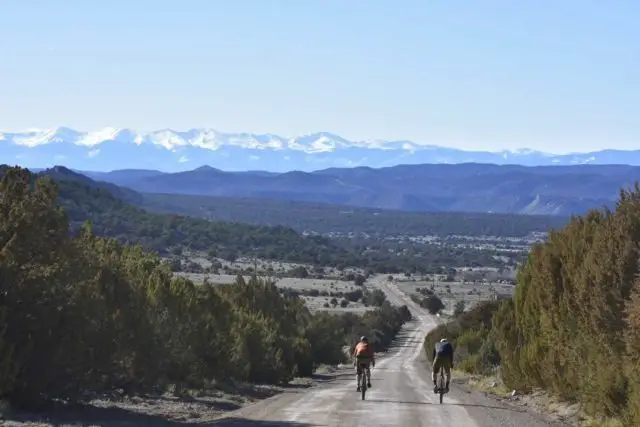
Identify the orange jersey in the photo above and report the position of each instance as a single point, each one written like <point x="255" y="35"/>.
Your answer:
<point x="363" y="349"/>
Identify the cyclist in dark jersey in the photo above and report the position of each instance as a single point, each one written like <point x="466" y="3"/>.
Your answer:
<point x="442" y="359"/>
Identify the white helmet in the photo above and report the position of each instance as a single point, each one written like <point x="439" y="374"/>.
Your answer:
<point x="443" y="340"/>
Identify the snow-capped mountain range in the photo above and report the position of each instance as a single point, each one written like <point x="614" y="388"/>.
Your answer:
<point x="172" y="151"/>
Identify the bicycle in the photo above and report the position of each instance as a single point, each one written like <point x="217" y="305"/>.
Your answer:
<point x="363" y="379"/>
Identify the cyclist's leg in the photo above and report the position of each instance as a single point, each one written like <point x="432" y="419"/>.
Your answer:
<point x="447" y="374"/>
<point x="369" y="373"/>
<point x="435" y="369"/>
<point x="358" y="373"/>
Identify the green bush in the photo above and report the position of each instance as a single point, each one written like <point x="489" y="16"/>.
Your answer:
<point x="86" y="313"/>
<point x="469" y="333"/>
<point x="573" y="325"/>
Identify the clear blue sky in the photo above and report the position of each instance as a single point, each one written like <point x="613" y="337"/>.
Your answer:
<point x="556" y="75"/>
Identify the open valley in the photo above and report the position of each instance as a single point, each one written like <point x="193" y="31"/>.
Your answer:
<point x="234" y="323"/>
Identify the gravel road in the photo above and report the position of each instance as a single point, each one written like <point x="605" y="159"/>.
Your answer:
<point x="402" y="393"/>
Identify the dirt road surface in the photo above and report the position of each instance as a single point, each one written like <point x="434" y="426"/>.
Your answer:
<point x="401" y="393"/>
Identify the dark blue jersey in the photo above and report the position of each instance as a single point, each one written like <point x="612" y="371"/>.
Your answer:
<point x="443" y="349"/>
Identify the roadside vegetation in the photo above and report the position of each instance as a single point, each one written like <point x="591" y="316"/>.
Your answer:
<point x="573" y="325"/>
<point x="475" y="351"/>
<point x="80" y="313"/>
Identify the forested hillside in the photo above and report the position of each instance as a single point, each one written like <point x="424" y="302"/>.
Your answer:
<point x="109" y="209"/>
<point x="86" y="313"/>
<point x="573" y="326"/>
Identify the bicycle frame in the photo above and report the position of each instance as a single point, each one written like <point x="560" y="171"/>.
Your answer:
<point x="363" y="378"/>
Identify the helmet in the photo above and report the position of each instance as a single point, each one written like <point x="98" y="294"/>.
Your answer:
<point x="443" y="340"/>
<point x="363" y="338"/>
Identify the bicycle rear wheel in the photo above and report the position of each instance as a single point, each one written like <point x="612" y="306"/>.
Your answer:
<point x="363" y="385"/>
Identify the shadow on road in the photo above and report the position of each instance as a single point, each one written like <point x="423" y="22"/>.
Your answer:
<point x="405" y="402"/>
<point x="471" y="405"/>
<point x="241" y="422"/>
<point x="117" y="417"/>
<point x="404" y="345"/>
<point x="91" y="416"/>
<point x="327" y="378"/>
<point x="406" y="341"/>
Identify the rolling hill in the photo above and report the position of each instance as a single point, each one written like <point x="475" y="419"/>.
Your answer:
<point x="111" y="211"/>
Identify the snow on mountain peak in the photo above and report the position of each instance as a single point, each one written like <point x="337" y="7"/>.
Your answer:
<point x="168" y="138"/>
<point x="258" y="141"/>
<point x="91" y="139"/>
<point x="213" y="140"/>
<point x="319" y="142"/>
<point x="35" y="137"/>
<point x="210" y="139"/>
<point x="523" y="151"/>
<point x="170" y="150"/>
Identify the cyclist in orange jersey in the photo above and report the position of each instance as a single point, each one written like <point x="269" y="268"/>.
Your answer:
<point x="364" y="358"/>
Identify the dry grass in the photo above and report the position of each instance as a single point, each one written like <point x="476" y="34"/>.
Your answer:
<point x="315" y="303"/>
<point x="488" y="384"/>
<point x="264" y="267"/>
<point x="449" y="292"/>
<point x="216" y="279"/>
<point x="324" y="285"/>
<point x="452" y="292"/>
<point x="538" y="401"/>
<point x="195" y="407"/>
<point x="604" y="423"/>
